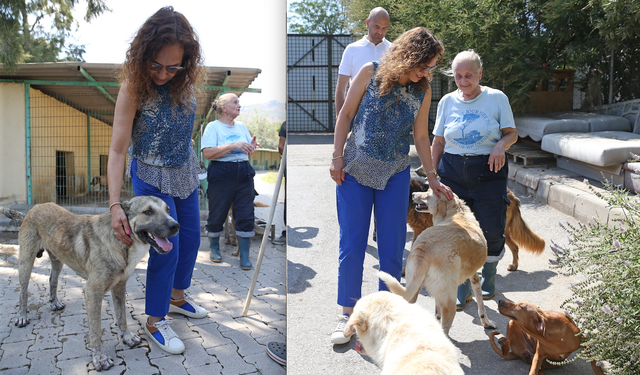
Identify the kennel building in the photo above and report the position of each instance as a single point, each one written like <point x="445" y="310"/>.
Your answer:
<point x="55" y="129"/>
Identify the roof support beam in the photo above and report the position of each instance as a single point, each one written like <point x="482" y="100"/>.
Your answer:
<point x="91" y="79"/>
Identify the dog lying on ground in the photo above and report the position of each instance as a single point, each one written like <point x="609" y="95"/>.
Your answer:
<point x="444" y="256"/>
<point x="88" y="245"/>
<point x="402" y="338"/>
<point x="517" y="233"/>
<point x="536" y="336"/>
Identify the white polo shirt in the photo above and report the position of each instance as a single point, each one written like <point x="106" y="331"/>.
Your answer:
<point x="359" y="53"/>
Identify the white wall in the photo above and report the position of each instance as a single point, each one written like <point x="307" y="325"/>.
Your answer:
<point x="13" y="154"/>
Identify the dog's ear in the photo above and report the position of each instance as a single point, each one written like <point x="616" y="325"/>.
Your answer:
<point x="356" y="320"/>
<point x="540" y="326"/>
<point x="441" y="208"/>
<point x="126" y="206"/>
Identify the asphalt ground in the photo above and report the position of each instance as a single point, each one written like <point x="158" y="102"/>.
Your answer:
<point x="312" y="273"/>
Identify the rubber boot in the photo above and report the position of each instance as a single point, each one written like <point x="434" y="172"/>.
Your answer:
<point x="214" y="245"/>
<point x="244" y="244"/>
<point x="464" y="295"/>
<point x="489" y="280"/>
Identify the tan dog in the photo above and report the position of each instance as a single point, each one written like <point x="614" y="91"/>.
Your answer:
<point x="516" y="231"/>
<point x="444" y="256"/>
<point x="87" y="244"/>
<point x="402" y="338"/>
<point x="536" y="336"/>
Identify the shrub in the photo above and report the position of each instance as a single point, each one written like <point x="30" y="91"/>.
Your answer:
<point x="606" y="304"/>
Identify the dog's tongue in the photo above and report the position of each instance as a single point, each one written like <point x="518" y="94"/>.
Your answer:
<point x="164" y="244"/>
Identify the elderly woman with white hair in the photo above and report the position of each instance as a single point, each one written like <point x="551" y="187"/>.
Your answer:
<point x="474" y="126"/>
<point x="228" y="144"/>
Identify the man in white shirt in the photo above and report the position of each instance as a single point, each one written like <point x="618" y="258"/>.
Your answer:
<point x="370" y="48"/>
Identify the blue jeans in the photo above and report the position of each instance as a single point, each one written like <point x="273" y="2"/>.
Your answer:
<point x="354" y="203"/>
<point x="231" y="183"/>
<point x="174" y="269"/>
<point x="484" y="191"/>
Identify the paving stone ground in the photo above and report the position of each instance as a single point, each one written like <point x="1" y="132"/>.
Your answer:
<point x="225" y="342"/>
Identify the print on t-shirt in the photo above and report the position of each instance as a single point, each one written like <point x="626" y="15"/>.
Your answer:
<point x="469" y="130"/>
<point x="231" y="138"/>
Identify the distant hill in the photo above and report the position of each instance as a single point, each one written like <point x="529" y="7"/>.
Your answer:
<point x="274" y="109"/>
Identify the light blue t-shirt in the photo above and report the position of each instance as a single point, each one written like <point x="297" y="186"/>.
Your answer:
<point x="473" y="127"/>
<point x="218" y="134"/>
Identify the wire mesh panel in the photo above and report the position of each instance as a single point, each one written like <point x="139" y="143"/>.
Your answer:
<point x="69" y="152"/>
<point x="312" y="73"/>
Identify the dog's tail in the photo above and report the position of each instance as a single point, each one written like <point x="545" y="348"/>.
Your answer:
<point x="12" y="214"/>
<point x="520" y="232"/>
<point x="501" y="351"/>
<point x="260" y="204"/>
<point x="394" y="285"/>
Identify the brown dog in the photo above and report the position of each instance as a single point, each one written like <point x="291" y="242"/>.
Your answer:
<point x="516" y="231"/>
<point x="536" y="336"/>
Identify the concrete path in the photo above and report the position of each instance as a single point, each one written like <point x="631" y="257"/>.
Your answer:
<point x="223" y="343"/>
<point x="312" y="258"/>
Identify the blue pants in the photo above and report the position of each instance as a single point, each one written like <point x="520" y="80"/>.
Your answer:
<point x="354" y="202"/>
<point x="174" y="269"/>
<point x="231" y="183"/>
<point x="484" y="191"/>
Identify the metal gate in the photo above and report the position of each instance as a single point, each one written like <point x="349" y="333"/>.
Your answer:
<point x="312" y="72"/>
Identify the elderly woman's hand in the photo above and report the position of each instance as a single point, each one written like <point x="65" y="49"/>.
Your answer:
<point x="336" y="170"/>
<point x="497" y="158"/>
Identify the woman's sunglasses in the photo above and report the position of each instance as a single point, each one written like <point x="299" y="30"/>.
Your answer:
<point x="430" y="68"/>
<point x="170" y="69"/>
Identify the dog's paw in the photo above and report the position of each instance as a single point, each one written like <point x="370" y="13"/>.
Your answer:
<point x="488" y="323"/>
<point x="22" y="321"/>
<point x="101" y="361"/>
<point x="131" y="339"/>
<point x="57" y="305"/>
<point x="512" y="267"/>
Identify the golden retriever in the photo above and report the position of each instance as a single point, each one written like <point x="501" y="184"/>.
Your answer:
<point x="402" y="338"/>
<point x="444" y="256"/>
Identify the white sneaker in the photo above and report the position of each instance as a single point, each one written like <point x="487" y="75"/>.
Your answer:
<point x="164" y="337"/>
<point x="338" y="337"/>
<point x="187" y="307"/>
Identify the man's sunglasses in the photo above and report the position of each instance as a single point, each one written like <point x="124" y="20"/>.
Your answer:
<point x="170" y="69"/>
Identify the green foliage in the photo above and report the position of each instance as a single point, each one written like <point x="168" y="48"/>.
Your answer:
<point x="605" y="304"/>
<point x="317" y="17"/>
<point x="265" y="131"/>
<point x="521" y="40"/>
<point x="37" y="31"/>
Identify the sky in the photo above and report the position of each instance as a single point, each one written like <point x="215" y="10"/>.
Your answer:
<point x="233" y="33"/>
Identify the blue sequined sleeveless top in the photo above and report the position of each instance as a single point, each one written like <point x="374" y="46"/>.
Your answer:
<point x="161" y="143"/>
<point x="378" y="145"/>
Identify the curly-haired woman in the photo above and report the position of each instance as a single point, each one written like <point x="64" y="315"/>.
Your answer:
<point x="389" y="100"/>
<point x="155" y="114"/>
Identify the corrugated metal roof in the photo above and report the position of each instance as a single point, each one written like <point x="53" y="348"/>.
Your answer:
<point x="89" y="99"/>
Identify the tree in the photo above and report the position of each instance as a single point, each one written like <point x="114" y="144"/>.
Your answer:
<point x="36" y="31"/>
<point x="317" y="17"/>
<point x="521" y="41"/>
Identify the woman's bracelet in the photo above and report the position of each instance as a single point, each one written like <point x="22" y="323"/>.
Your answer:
<point x="431" y="171"/>
<point x="113" y="204"/>
<point x="337" y="157"/>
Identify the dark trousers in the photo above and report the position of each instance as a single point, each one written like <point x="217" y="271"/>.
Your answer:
<point x="484" y="191"/>
<point x="230" y="183"/>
